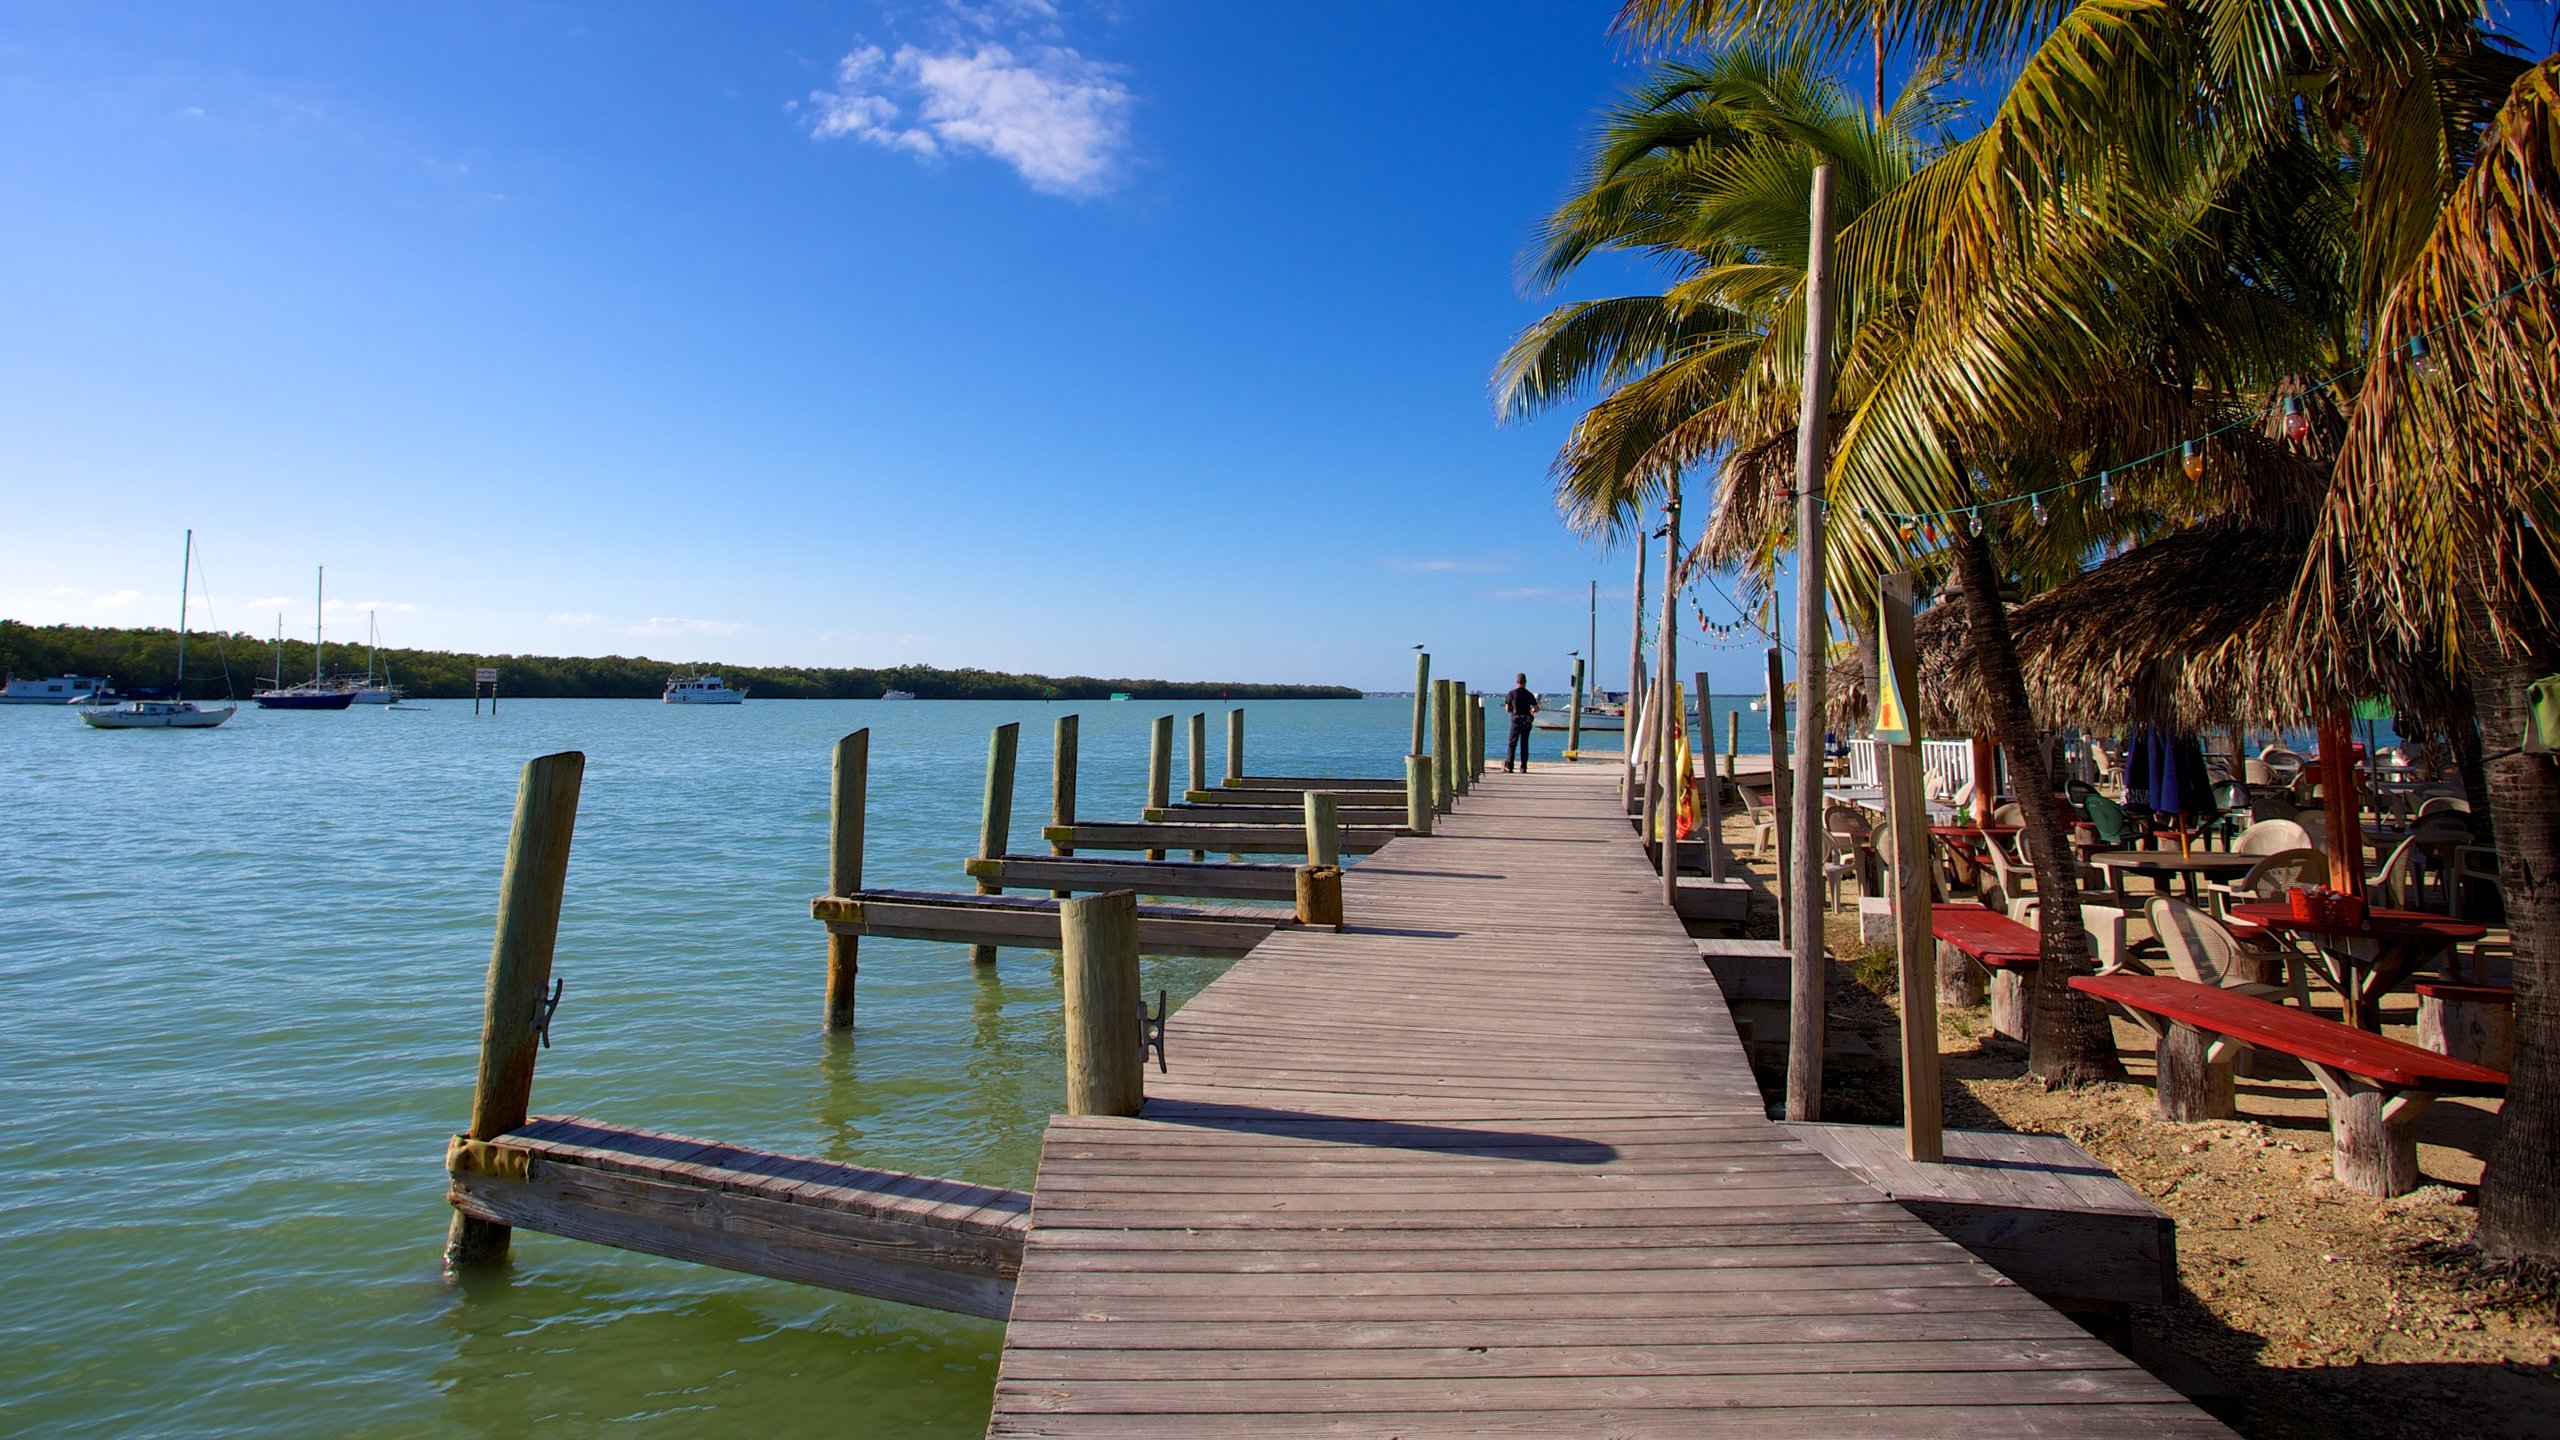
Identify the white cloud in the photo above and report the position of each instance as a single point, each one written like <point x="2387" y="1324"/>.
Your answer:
<point x="66" y="590"/>
<point x="1439" y="564"/>
<point x="575" y="617"/>
<point x="673" y="625"/>
<point x="1059" y="119"/>
<point x="273" y="602"/>
<point x="117" y="600"/>
<point x="396" y="607"/>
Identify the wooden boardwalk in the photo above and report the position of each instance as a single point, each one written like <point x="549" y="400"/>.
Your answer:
<point x="1492" y="1162"/>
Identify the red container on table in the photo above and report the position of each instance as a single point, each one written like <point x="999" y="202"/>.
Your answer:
<point x="2351" y="911"/>
<point x="2300" y="901"/>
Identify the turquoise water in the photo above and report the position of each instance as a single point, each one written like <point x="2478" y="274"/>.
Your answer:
<point x="242" y="976"/>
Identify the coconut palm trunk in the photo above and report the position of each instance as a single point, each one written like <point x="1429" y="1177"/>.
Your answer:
<point x="2520" y="1191"/>
<point x="2070" y="1042"/>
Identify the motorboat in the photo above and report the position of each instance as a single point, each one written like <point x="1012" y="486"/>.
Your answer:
<point x="1595" y="716"/>
<point x="173" y="713"/>
<point x="899" y="695"/>
<point x="701" y="690"/>
<point x="60" y="690"/>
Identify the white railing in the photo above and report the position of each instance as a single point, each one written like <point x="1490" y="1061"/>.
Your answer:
<point x="1862" y="763"/>
<point x="1946" y="765"/>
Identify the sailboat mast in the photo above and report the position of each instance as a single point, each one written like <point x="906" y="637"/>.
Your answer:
<point x="186" y="573"/>
<point x="1594" y="651"/>
<point x="319" y="609"/>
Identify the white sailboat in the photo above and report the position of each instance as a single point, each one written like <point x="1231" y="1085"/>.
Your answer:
<point x="370" y="691"/>
<point x="1599" y="712"/>
<point x="174" y="714"/>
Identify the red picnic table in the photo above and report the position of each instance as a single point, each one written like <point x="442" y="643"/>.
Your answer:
<point x="2364" y="962"/>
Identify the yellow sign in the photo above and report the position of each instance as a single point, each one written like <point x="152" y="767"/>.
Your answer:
<point x="1896" y="662"/>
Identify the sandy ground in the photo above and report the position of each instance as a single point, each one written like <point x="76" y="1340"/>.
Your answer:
<point x="2320" y="1312"/>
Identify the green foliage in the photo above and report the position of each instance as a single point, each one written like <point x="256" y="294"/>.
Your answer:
<point x="150" y="657"/>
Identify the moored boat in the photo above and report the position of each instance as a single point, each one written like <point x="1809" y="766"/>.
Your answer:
<point x="173" y="713"/>
<point x="316" y="693"/>
<point x="701" y="690"/>
<point x="899" y="695"/>
<point x="60" y="690"/>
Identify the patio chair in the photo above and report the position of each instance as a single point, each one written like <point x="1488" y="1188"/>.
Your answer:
<point x="2200" y="948"/>
<point x="2260" y="775"/>
<point x="2397" y="875"/>
<point x="2443" y="805"/>
<point x="2008" y="813"/>
<point x="2102" y="912"/>
<point x="2270" y="878"/>
<point x="1847" y="834"/>
<point x="2113" y="827"/>
<point x="1764" y="822"/>
<point x="2284" y="763"/>
<point x="2271" y="837"/>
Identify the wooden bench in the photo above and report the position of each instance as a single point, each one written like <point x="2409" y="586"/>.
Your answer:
<point x="2376" y="1086"/>
<point x="2002" y="946"/>
<point x="2468" y="1022"/>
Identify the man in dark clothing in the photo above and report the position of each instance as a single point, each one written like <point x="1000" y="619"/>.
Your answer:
<point x="1522" y="705"/>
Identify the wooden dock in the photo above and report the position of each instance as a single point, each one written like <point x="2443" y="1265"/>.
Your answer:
<point x="1491" y="1161"/>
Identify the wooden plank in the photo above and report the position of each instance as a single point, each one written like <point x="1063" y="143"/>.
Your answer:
<point x="1032" y="922"/>
<point x="1206" y="879"/>
<point x="1232" y="839"/>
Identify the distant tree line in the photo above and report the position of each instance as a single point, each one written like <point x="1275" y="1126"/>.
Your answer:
<point x="150" y="657"/>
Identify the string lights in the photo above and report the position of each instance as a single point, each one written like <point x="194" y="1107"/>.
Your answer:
<point x="2296" y="424"/>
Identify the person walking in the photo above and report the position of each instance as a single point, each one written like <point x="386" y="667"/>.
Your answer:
<point x="1522" y="705"/>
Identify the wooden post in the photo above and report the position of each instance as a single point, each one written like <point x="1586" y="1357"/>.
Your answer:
<point x="1062" y="788"/>
<point x="1635" y="708"/>
<point x="1813" y="633"/>
<point x="529" y="891"/>
<point x="1421" y="703"/>
<point x="1573" y="718"/>
<point x="1710" y="792"/>
<point x="1666" y="659"/>
<point x="1419" y="803"/>
<point x="1319" y="892"/>
<point x="1198" y="754"/>
<point x="1986" y="778"/>
<point x="2338" y="800"/>
<point x="1106" y="1055"/>
<point x="1235" y="746"/>
<point x="1159" y="770"/>
<point x="845" y="803"/>
<point x="1635" y="671"/>
<point x="995" y="815"/>
<point x="1916" y="947"/>
<point x="1461" y="743"/>
<point x="1732" y="743"/>
<point x="1781" y="793"/>
<point x="1444" y="754"/>
<point x="1476" y="722"/>
<point x="1324" y="829"/>
<point x="1641" y="713"/>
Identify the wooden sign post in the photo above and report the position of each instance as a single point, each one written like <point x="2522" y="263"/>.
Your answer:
<point x="480" y="675"/>
<point x="1906" y="807"/>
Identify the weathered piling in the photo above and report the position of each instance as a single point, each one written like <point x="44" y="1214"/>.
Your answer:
<point x="1475" y="735"/>
<point x="1106" y="1059"/>
<point x="515" y="1018"/>
<point x="1461" y="739"/>
<point x="1732" y="743"/>
<point x="1710" y="790"/>
<point x="1324" y="829"/>
<point x="1159" y="768"/>
<point x="1235" y="746"/>
<point x="1198" y="755"/>
<point x="1320" y="895"/>
<point x="995" y="816"/>
<point x="846" y="799"/>
<point x="1062" y="789"/>
<point x="1419" y="802"/>
<point x="1421" y="701"/>
<point x="1444" y="753"/>
<point x="1915" y="947"/>
<point x="1573" y="718"/>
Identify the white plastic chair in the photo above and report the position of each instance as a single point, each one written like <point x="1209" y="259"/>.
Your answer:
<point x="2270" y="878"/>
<point x="2200" y="948"/>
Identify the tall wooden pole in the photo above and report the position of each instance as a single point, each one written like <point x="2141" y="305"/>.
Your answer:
<point x="1462" y="773"/>
<point x="846" y="798"/>
<point x="529" y="892"/>
<point x="1813" y="633"/>
<point x="2341" y="804"/>
<point x="1666" y="663"/>
<point x="1106" y="1057"/>
<point x="1421" y="703"/>
<point x="1197" y="754"/>
<point x="1324" y="828"/>
<point x="1782" y="798"/>
<point x="1573" y="718"/>
<point x="1635" y="675"/>
<point x="1444" y="750"/>
<point x="995" y="814"/>
<point x="1235" y="746"/>
<point x="1915" y="948"/>
<point x="1062" y="787"/>
<point x="1711" y="790"/>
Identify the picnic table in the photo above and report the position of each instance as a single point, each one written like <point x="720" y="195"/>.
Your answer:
<point x="2163" y="866"/>
<point x="2363" y="963"/>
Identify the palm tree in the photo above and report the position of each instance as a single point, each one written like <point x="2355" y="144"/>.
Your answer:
<point x="2126" y="130"/>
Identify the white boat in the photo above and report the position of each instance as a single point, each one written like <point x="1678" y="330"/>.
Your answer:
<point x="318" y="692"/>
<point x="165" y="714"/>
<point x="701" y="690"/>
<point x="370" y="691"/>
<point x="1595" y="717"/>
<point x="60" y="690"/>
<point x="899" y="695"/>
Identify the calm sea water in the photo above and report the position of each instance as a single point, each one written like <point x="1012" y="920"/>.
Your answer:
<point x="240" y="976"/>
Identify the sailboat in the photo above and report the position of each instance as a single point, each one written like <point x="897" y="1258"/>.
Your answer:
<point x="370" y="691"/>
<point x="177" y="712"/>
<point x="315" y="693"/>
<point x="1598" y="712"/>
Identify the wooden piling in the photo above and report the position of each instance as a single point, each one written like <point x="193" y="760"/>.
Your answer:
<point x="1235" y="746"/>
<point x="1462" y="777"/>
<point x="1732" y="743"/>
<point x="1062" y="787"/>
<point x="1476" y="723"/>
<point x="1444" y="788"/>
<point x="529" y="891"/>
<point x="1573" y="718"/>
<point x="1916" y="949"/>
<point x="1710" y="790"/>
<point x="1159" y="768"/>
<point x="1419" y="802"/>
<point x="846" y="799"/>
<point x="1319" y="890"/>
<point x="995" y="815"/>
<point x="1421" y="702"/>
<point x="1782" y="797"/>
<point x="1197" y="753"/>
<point x="1106" y="1058"/>
<point x="1324" y="829"/>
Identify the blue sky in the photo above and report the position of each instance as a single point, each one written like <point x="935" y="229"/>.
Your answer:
<point x="1141" y="338"/>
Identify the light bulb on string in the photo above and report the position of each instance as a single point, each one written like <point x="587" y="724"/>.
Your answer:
<point x="2297" y="423"/>
<point x="2191" y="455"/>
<point x="2106" y="489"/>
<point x="2035" y="509"/>
<point x="2422" y="361"/>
